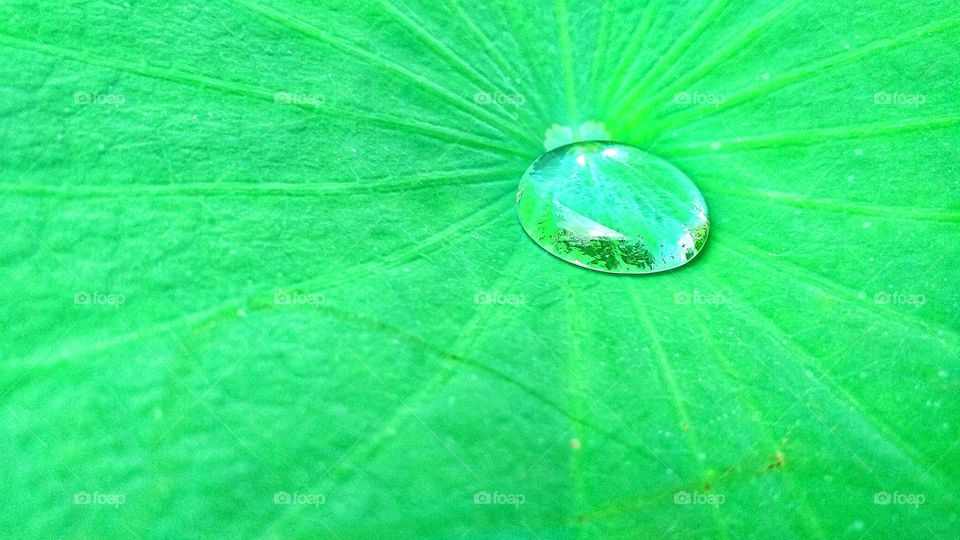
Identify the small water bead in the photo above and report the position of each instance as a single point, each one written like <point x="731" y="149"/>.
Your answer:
<point x="612" y="207"/>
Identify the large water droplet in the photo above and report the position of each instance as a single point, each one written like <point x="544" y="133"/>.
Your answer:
<point x="612" y="207"/>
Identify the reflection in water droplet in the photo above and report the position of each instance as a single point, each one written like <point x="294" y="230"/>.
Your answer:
<point x="613" y="208"/>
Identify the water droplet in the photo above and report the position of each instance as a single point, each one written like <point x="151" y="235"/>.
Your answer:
<point x="559" y="135"/>
<point x="613" y="208"/>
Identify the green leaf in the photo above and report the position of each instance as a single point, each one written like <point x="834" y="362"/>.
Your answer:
<point x="263" y="275"/>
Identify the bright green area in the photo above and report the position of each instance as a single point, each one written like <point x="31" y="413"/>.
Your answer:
<point x="262" y="247"/>
<point x="613" y="208"/>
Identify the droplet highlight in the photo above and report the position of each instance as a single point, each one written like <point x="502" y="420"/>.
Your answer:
<point x="613" y="208"/>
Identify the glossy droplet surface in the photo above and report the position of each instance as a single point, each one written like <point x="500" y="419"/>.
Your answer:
<point x="612" y="207"/>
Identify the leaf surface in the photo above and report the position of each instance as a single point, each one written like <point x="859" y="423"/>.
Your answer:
<point x="256" y="248"/>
